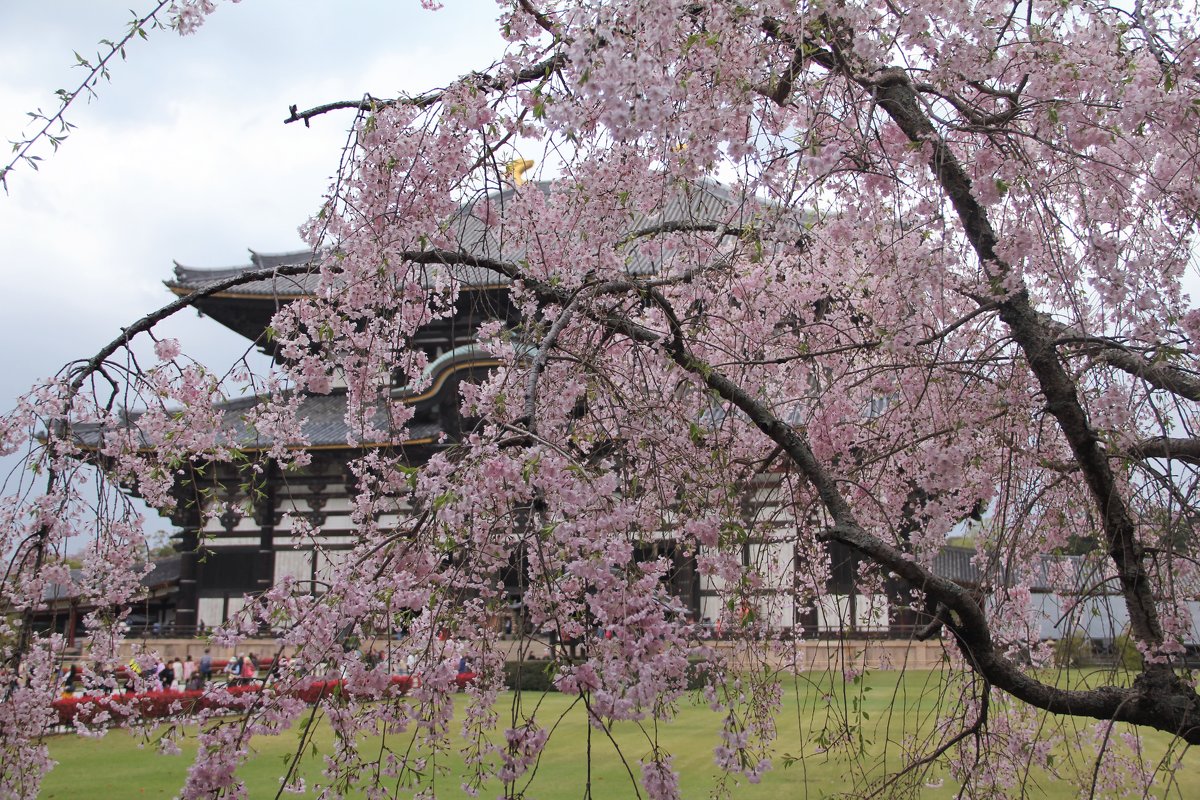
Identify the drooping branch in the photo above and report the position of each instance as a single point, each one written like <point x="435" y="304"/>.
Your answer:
<point x="1157" y="700"/>
<point x="1170" y="706"/>
<point x="967" y="619"/>
<point x="38" y="541"/>
<point x="974" y="729"/>
<point x="81" y="371"/>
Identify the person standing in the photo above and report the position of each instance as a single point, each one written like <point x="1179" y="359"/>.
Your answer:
<point x="166" y="675"/>
<point x="189" y="669"/>
<point x="233" y="671"/>
<point x="206" y="666"/>
<point x="249" y="669"/>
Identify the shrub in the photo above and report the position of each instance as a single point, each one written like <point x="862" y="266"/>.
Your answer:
<point x="530" y="676"/>
<point x="146" y="704"/>
<point x="164" y="704"/>
<point x="1072" y="650"/>
<point x="1125" y="652"/>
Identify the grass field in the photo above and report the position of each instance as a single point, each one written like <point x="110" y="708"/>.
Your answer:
<point x="885" y="713"/>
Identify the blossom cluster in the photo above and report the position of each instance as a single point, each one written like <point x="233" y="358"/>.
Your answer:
<point x="806" y="288"/>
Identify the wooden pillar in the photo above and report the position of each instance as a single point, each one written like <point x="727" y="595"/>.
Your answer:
<point x="264" y="517"/>
<point x="72" y="621"/>
<point x="187" y="516"/>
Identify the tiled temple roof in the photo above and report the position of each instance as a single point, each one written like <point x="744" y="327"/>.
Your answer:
<point x="323" y="416"/>
<point x="164" y="572"/>
<point x="957" y="564"/>
<point x="290" y="287"/>
<point x="189" y="279"/>
<point x="323" y="424"/>
<point x="960" y="564"/>
<point x="707" y="203"/>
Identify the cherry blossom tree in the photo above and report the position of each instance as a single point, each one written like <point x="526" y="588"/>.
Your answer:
<point x="944" y="285"/>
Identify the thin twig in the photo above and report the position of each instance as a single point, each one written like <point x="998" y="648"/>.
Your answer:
<point x="480" y="81"/>
<point x="137" y="28"/>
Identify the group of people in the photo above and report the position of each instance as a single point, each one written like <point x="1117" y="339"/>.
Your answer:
<point x="175" y="675"/>
<point x="187" y="675"/>
<point x="102" y="681"/>
<point x="241" y="670"/>
<point x="167" y="674"/>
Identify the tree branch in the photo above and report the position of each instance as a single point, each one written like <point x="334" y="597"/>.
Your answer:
<point x="1158" y="699"/>
<point x="539" y="362"/>
<point x="539" y="17"/>
<point x="1181" y="449"/>
<point x="1159" y="374"/>
<point x="898" y="99"/>
<point x="684" y="226"/>
<point x="86" y="368"/>
<point x="480" y="81"/>
<point x="137" y="29"/>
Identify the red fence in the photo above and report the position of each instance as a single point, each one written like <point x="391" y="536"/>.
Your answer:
<point x="116" y="709"/>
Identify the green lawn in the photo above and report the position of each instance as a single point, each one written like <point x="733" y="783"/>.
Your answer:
<point x="835" y="737"/>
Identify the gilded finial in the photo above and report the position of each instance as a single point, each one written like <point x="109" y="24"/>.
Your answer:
<point x="515" y="169"/>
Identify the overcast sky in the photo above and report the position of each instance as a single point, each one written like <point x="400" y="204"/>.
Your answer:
<point x="183" y="156"/>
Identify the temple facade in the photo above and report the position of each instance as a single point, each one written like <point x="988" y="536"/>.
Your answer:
<point x="234" y="543"/>
<point x="250" y="544"/>
<point x="237" y="538"/>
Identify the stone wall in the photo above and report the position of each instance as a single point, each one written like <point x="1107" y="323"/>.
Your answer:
<point x="807" y="656"/>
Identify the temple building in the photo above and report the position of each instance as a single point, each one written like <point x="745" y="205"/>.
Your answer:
<point x="235" y="553"/>
<point x="236" y="540"/>
<point x="249" y="545"/>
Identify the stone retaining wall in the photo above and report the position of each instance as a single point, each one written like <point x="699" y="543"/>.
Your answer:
<point x="808" y="656"/>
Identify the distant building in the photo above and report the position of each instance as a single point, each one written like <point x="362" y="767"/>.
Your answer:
<point x="234" y="554"/>
<point x="235" y="542"/>
<point x="63" y="611"/>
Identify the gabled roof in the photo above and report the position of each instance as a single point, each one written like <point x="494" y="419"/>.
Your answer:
<point x="960" y="564"/>
<point x="163" y="573"/>
<point x="247" y="308"/>
<point x="291" y="287"/>
<point x="323" y="425"/>
<point x="323" y="416"/>
<point x="704" y="202"/>
<point x="957" y="564"/>
<point x="189" y="279"/>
